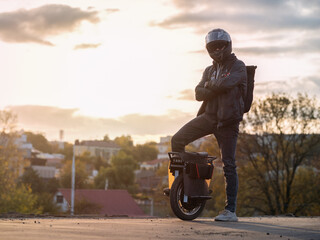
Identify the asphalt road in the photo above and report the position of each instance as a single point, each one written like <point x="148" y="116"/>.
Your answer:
<point x="158" y="228"/>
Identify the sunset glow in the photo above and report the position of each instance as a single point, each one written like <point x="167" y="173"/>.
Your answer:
<point x="130" y="67"/>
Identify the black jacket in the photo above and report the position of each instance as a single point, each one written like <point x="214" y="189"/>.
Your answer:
<point x="226" y="88"/>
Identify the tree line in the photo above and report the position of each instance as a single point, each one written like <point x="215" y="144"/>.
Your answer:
<point x="278" y="158"/>
<point x="23" y="191"/>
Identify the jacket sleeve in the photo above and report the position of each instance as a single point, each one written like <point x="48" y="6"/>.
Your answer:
<point x="236" y="77"/>
<point x="203" y="93"/>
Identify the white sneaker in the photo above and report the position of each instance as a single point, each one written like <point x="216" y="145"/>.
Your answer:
<point x="226" y="216"/>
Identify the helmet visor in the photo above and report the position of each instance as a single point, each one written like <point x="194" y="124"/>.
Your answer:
<point x="217" y="45"/>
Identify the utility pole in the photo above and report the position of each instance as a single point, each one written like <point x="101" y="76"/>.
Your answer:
<point x="73" y="177"/>
<point x="151" y="207"/>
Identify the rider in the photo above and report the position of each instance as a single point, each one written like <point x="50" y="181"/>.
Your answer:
<point x="222" y="90"/>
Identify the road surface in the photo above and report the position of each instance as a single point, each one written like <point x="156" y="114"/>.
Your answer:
<point x="159" y="228"/>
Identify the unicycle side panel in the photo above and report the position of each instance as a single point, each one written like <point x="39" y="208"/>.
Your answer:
<point x="185" y="210"/>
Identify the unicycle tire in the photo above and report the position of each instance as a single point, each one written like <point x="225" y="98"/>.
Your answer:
<point x="184" y="210"/>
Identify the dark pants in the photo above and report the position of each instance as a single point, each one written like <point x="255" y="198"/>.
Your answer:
<point x="227" y="140"/>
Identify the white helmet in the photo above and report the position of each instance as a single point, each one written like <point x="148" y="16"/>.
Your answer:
<point x="218" y="44"/>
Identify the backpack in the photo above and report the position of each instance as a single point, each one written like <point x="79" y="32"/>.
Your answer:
<point x="250" y="85"/>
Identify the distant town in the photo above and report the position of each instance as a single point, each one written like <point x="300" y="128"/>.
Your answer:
<point x="150" y="174"/>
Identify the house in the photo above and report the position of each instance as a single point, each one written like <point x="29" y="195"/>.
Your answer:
<point x="23" y="145"/>
<point x="45" y="172"/>
<point x="163" y="147"/>
<point x="95" y="148"/>
<point x="44" y="164"/>
<point x="53" y="160"/>
<point x="107" y="202"/>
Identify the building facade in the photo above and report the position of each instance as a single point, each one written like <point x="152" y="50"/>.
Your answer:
<point x="102" y="149"/>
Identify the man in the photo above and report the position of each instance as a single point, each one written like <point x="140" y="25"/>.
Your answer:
<point x="222" y="89"/>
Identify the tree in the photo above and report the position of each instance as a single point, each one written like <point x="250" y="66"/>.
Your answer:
<point x="141" y="152"/>
<point x="124" y="141"/>
<point x="99" y="162"/>
<point x="101" y="178"/>
<point x="210" y="145"/>
<point x="145" y="152"/>
<point x="13" y="197"/>
<point x="120" y="174"/>
<point x="306" y="192"/>
<point x="45" y="203"/>
<point x="8" y="122"/>
<point x="67" y="151"/>
<point x="81" y="175"/>
<point x="19" y="199"/>
<point x="39" y="142"/>
<point x="10" y="158"/>
<point x="106" y="138"/>
<point x="9" y="155"/>
<point x="44" y="190"/>
<point x="279" y="137"/>
<point x="32" y="179"/>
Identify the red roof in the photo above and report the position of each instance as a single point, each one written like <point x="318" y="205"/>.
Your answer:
<point x="112" y="202"/>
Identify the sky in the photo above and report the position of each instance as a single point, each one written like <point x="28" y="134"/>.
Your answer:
<point x="129" y="67"/>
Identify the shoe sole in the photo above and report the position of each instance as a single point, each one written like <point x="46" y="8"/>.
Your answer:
<point x="225" y="220"/>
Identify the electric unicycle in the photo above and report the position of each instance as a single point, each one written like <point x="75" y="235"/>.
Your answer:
<point x="189" y="191"/>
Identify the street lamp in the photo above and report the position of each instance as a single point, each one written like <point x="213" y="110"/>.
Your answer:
<point x="73" y="177"/>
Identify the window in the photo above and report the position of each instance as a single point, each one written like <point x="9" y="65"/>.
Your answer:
<point x="106" y="155"/>
<point x="59" y="199"/>
<point x="98" y="152"/>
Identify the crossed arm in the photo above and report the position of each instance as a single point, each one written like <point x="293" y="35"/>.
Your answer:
<point x="209" y="88"/>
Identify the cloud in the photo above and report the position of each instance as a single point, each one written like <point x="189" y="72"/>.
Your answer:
<point x="302" y="46"/>
<point x="287" y="26"/>
<point x="49" y="120"/>
<point x="259" y="28"/>
<point x="190" y="4"/>
<point x="247" y="14"/>
<point x="187" y="94"/>
<point x="315" y="80"/>
<point x="309" y="85"/>
<point x="87" y="45"/>
<point x="36" y="24"/>
<point x="112" y="10"/>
